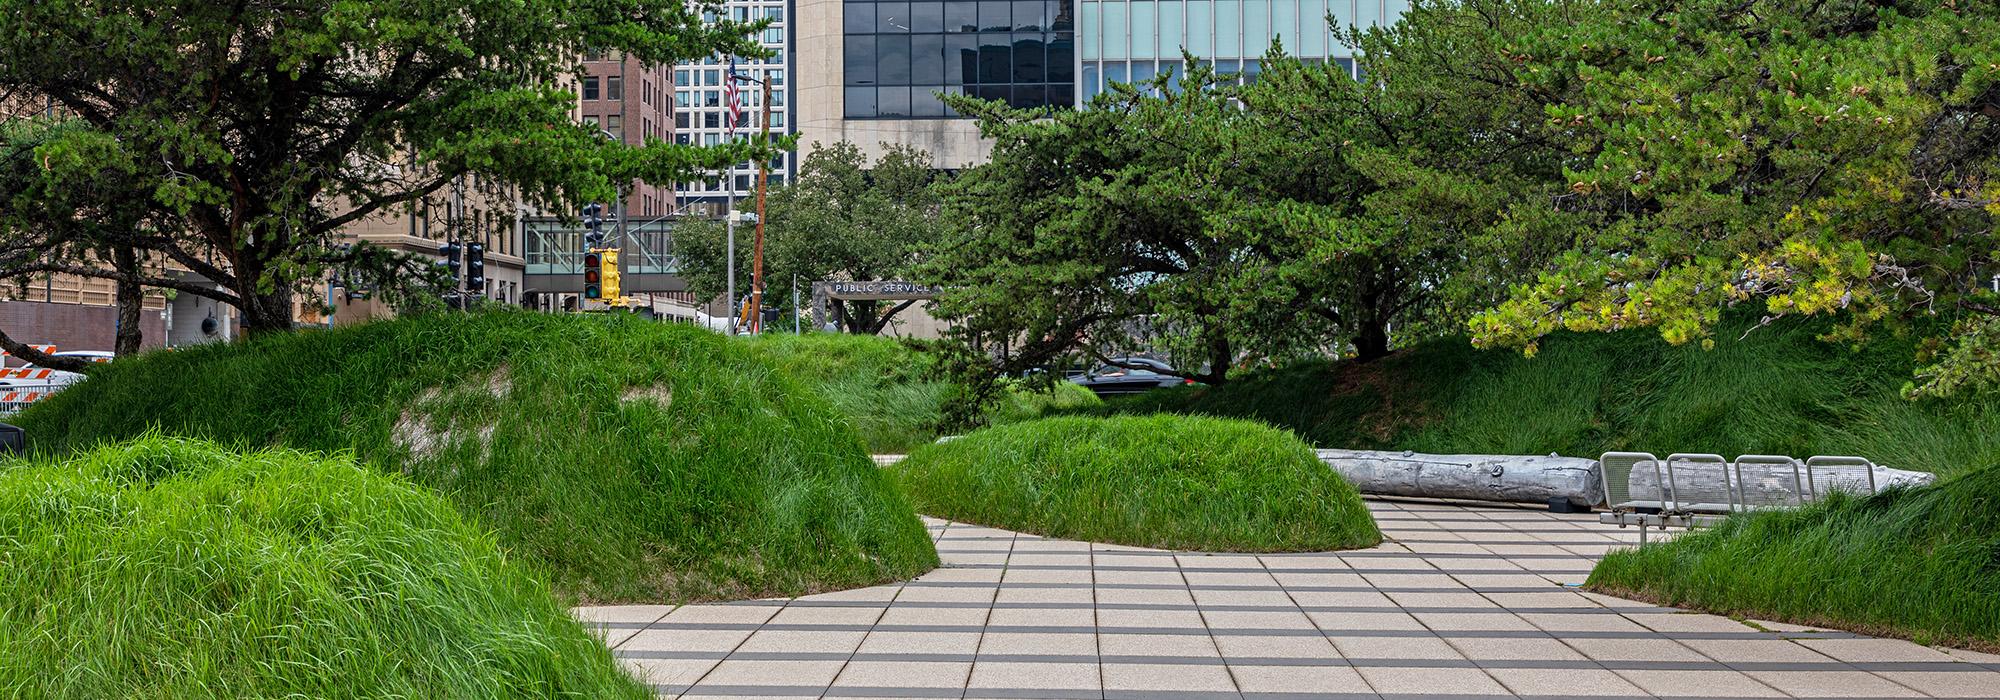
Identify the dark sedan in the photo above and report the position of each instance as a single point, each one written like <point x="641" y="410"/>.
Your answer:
<point x="1143" y="375"/>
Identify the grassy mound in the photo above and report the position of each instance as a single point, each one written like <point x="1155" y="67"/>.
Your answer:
<point x="1921" y="563"/>
<point x="1160" y="481"/>
<point x="169" y="568"/>
<point x="633" y="461"/>
<point x="1778" y="391"/>
<point x="890" y="391"/>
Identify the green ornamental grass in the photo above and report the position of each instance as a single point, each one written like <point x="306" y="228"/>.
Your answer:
<point x="1158" y="481"/>
<point x="1778" y="389"/>
<point x="893" y="393"/>
<point x="631" y="461"/>
<point x="171" y="568"/>
<point x="1921" y="563"/>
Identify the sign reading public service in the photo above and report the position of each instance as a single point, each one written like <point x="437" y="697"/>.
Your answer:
<point x="881" y="288"/>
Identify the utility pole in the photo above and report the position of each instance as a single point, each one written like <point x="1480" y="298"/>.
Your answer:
<point x="757" y="261"/>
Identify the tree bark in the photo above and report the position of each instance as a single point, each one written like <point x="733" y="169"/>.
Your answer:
<point x="1371" y="341"/>
<point x="1504" y="478"/>
<point x="267" y="312"/>
<point x="131" y="300"/>
<point x="882" y="321"/>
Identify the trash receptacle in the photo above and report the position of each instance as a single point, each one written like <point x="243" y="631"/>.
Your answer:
<point x="13" y="440"/>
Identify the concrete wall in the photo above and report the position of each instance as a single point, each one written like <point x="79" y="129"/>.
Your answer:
<point x="818" y="64"/>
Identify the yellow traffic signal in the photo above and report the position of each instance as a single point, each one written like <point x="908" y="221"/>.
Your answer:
<point x="608" y="272"/>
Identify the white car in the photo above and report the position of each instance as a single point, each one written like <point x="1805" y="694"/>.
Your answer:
<point x="91" y="355"/>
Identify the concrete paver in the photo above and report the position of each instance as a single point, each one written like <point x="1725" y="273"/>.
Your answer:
<point x="1462" y="601"/>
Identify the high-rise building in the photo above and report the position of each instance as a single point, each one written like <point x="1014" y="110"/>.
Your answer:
<point x="1131" y="41"/>
<point x="629" y="101"/>
<point x="869" y="71"/>
<point x="702" y="114"/>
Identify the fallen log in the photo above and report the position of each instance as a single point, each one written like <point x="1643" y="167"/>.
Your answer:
<point x="1504" y="478"/>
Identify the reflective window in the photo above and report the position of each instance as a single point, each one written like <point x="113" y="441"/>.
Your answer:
<point x="1201" y="28"/>
<point x="958" y="16"/>
<point x="926" y="17"/>
<point x="892" y="17"/>
<point x="995" y="16"/>
<point x="908" y="52"/>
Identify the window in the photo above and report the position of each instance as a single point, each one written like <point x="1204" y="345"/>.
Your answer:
<point x="616" y="125"/>
<point x="680" y="120"/>
<point x="590" y="88"/>
<point x="614" y="88"/>
<point x="681" y="77"/>
<point x="711" y="120"/>
<point x="900" y="55"/>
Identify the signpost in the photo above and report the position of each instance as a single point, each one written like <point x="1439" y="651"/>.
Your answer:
<point x="865" y="291"/>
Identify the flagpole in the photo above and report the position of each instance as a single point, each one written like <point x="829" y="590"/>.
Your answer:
<point x="757" y="265"/>
<point x="729" y="210"/>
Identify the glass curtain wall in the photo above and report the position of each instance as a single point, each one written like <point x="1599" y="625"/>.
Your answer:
<point x="1130" y="41"/>
<point x="901" y="54"/>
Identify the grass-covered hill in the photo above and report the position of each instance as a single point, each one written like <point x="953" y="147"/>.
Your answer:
<point x="1921" y="563"/>
<point x="892" y="392"/>
<point x="632" y="461"/>
<point x="169" y="568"/>
<point x="1778" y="391"/>
<point x="1173" y="482"/>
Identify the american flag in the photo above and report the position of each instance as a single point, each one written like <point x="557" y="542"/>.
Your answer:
<point x="732" y="99"/>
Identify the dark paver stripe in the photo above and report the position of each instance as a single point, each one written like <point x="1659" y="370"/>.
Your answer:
<point x="1338" y="662"/>
<point x="1343" y="555"/>
<point x="1257" y="570"/>
<point x="1549" y="588"/>
<point x="1239" y="631"/>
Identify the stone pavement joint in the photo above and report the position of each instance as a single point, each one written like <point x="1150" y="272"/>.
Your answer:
<point x="1461" y="601"/>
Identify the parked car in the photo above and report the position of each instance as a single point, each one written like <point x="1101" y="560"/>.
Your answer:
<point x="88" y="355"/>
<point x="1144" y="374"/>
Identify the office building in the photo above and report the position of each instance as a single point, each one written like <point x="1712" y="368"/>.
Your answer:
<point x="630" y="102"/>
<point x="869" y="70"/>
<point x="702" y="112"/>
<point x="1131" y="41"/>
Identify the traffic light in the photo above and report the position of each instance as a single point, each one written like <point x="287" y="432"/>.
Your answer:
<point x="593" y="275"/>
<point x="475" y="268"/>
<point x="609" y="277"/>
<point x="450" y="251"/>
<point x="593" y="225"/>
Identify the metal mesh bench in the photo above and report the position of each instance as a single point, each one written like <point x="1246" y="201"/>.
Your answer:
<point x="1698" y="489"/>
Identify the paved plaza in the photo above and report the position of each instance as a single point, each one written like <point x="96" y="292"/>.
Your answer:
<point x="1461" y="601"/>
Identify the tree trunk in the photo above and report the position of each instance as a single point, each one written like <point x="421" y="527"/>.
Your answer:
<point x="267" y="312"/>
<point x="882" y="321"/>
<point x="1505" y="478"/>
<point x="131" y="298"/>
<point x="1371" y="340"/>
<point x="1220" y="356"/>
